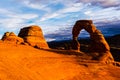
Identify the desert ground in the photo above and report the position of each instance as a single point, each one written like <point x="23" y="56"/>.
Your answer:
<point x="23" y="62"/>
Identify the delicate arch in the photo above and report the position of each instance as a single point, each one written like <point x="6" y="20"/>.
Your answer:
<point x="98" y="42"/>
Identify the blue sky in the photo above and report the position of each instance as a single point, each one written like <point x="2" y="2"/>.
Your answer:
<point x="56" y="17"/>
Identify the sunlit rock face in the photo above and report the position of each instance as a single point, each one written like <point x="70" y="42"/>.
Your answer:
<point x="33" y="35"/>
<point x="99" y="47"/>
<point x="10" y="37"/>
<point x="98" y="42"/>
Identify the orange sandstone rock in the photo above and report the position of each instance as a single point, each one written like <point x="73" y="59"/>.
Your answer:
<point x="33" y="35"/>
<point x="98" y="42"/>
<point x="10" y="37"/>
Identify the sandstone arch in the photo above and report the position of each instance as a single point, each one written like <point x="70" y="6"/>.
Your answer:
<point x="99" y="46"/>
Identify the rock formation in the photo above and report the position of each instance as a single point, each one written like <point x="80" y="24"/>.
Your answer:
<point x="99" y="47"/>
<point x="0" y="41"/>
<point x="10" y="37"/>
<point x="98" y="42"/>
<point x="33" y="36"/>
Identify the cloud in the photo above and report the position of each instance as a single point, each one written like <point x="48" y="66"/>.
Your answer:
<point x="9" y="14"/>
<point x="49" y="16"/>
<point x="4" y="11"/>
<point x="11" y="23"/>
<point x="61" y="34"/>
<point x="73" y="8"/>
<point x="107" y="15"/>
<point x="1" y="36"/>
<point x="68" y="6"/>
<point x="56" y="14"/>
<point x="12" y="20"/>
<point x="37" y="4"/>
<point x="103" y="3"/>
<point x="63" y="12"/>
<point x="66" y="33"/>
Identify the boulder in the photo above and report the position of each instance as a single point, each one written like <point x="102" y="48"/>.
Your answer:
<point x="10" y="37"/>
<point x="33" y="35"/>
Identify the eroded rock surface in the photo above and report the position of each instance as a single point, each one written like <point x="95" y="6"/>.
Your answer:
<point x="10" y="37"/>
<point x="99" y="47"/>
<point x="33" y="35"/>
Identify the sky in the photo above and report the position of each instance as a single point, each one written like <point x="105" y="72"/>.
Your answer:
<point x="57" y="17"/>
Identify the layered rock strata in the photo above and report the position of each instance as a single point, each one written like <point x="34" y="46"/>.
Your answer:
<point x="33" y="35"/>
